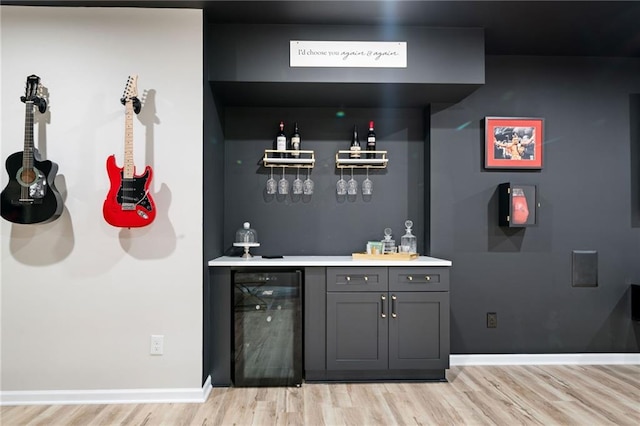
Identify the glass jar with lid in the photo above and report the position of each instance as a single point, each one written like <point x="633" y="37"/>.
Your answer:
<point x="246" y="234"/>
<point x="246" y="237"/>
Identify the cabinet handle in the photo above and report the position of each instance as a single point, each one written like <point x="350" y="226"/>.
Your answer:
<point x="348" y="278"/>
<point x="393" y="306"/>
<point x="366" y="278"/>
<point x="383" y="299"/>
<point x="410" y="278"/>
<point x="427" y="277"/>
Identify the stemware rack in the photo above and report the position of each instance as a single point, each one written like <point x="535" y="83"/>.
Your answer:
<point x="343" y="160"/>
<point x="305" y="159"/>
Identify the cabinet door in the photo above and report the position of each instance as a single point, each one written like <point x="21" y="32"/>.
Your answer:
<point x="357" y="331"/>
<point x="419" y="330"/>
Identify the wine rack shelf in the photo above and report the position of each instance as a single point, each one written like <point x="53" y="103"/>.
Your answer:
<point x="344" y="161"/>
<point x="272" y="158"/>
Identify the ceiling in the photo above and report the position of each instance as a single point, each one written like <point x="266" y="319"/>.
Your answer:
<point x="516" y="27"/>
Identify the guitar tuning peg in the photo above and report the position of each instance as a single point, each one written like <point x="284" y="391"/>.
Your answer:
<point x="137" y="106"/>
<point x="42" y="105"/>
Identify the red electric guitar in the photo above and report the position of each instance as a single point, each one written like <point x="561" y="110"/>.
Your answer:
<point x="128" y="203"/>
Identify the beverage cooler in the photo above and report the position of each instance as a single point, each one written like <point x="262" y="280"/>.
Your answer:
<point x="267" y="321"/>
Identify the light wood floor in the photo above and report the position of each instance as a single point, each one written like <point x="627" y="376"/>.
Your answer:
<point x="505" y="395"/>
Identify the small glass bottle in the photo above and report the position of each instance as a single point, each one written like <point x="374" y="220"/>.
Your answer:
<point x="408" y="242"/>
<point x="371" y="140"/>
<point x="355" y="147"/>
<point x="281" y="141"/>
<point x="295" y="141"/>
<point x="388" y="244"/>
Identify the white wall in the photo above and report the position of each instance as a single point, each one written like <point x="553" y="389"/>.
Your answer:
<point x="80" y="298"/>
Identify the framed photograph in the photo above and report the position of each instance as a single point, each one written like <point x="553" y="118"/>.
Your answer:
<point x="513" y="143"/>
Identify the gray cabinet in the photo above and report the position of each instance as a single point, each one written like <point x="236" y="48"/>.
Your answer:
<point x="357" y="331"/>
<point x="387" y="323"/>
<point x="360" y="323"/>
<point x="419" y="331"/>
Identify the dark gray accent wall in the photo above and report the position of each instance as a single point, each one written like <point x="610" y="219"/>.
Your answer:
<point x="587" y="192"/>
<point x="249" y="65"/>
<point x="213" y="202"/>
<point x="634" y="158"/>
<point x="324" y="223"/>
<point x="251" y="53"/>
<point x="588" y="201"/>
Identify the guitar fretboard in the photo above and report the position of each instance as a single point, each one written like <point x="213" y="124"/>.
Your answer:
<point x="27" y="175"/>
<point x="128" y="140"/>
<point x="27" y="157"/>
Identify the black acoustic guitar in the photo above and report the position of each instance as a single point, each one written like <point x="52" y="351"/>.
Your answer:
<point x="31" y="196"/>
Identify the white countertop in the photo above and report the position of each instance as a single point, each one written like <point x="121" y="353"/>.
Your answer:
<point x="325" y="261"/>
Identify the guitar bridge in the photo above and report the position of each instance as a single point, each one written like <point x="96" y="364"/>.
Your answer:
<point x="28" y="201"/>
<point x="128" y="206"/>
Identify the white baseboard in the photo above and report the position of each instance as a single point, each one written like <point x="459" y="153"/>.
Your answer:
<point x="116" y="396"/>
<point x="197" y="395"/>
<point x="545" y="359"/>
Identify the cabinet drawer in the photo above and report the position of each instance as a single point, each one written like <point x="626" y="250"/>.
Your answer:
<point x="357" y="279"/>
<point x="418" y="279"/>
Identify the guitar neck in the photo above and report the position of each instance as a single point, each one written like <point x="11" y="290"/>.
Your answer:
<point x="128" y="141"/>
<point x="27" y="156"/>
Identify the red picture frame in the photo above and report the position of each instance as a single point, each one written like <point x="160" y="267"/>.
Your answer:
<point x="513" y="143"/>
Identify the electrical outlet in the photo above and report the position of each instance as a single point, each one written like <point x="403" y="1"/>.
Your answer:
<point x="157" y="344"/>
<point x="492" y="320"/>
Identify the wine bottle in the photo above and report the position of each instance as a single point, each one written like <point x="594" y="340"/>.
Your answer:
<point x="371" y="141"/>
<point x="295" y="141"/>
<point x="355" y="143"/>
<point x="281" y="141"/>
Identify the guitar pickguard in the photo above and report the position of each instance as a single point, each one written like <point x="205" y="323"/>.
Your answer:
<point x="132" y="192"/>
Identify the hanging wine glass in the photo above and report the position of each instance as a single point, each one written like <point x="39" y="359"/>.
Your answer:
<point x="367" y="185"/>
<point x="307" y="185"/>
<point x="352" y="185"/>
<point x="341" y="185"/>
<point x="297" y="183"/>
<point x="283" y="185"/>
<point x="271" y="184"/>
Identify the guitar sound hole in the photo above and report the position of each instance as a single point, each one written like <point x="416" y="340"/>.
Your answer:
<point x="28" y="176"/>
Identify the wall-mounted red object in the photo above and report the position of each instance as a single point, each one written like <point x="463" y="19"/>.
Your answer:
<point x="518" y="205"/>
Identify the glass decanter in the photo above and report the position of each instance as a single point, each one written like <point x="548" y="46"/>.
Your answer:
<point x="408" y="242"/>
<point x="388" y="244"/>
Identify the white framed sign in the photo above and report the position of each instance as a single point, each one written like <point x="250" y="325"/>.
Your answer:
<point x="348" y="54"/>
